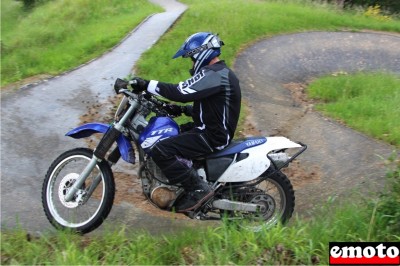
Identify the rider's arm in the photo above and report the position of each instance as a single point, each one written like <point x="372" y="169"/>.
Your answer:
<point x="201" y="85"/>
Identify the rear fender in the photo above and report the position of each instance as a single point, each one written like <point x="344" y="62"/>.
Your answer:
<point x="255" y="161"/>
<point x="86" y="130"/>
<point x="279" y="143"/>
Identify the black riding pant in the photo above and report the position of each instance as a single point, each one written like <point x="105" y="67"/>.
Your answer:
<point x="172" y="155"/>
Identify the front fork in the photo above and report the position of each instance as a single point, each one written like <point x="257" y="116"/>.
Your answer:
<point x="81" y="179"/>
<point x="98" y="155"/>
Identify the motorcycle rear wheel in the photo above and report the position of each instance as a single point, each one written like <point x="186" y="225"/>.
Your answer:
<point x="81" y="214"/>
<point x="276" y="195"/>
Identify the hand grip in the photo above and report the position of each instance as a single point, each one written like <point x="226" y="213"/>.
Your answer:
<point x="120" y="84"/>
<point x="133" y="82"/>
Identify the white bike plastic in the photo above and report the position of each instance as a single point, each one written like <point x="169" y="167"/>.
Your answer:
<point x="257" y="161"/>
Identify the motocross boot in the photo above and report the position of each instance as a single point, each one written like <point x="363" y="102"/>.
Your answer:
<point x="196" y="192"/>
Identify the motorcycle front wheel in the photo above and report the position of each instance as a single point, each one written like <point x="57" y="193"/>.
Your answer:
<point x="93" y="201"/>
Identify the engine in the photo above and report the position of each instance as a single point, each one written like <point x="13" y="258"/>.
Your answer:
<point x="163" y="196"/>
<point x="155" y="186"/>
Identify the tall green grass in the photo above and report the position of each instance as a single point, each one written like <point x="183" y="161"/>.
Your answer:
<point x="59" y="35"/>
<point x="304" y="242"/>
<point x="368" y="102"/>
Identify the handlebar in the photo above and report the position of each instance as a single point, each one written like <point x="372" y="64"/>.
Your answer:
<point x="159" y="103"/>
<point x="121" y="86"/>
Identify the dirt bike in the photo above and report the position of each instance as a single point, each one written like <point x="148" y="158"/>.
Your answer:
<point x="246" y="179"/>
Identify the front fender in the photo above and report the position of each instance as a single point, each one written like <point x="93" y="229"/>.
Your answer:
<point x="86" y="130"/>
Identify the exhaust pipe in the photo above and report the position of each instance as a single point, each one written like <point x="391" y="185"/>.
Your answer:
<point x="229" y="205"/>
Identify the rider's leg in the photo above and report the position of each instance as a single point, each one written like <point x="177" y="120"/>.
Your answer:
<point x="168" y="154"/>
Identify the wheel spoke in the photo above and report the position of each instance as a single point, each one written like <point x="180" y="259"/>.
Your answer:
<point x="81" y="213"/>
<point x="274" y="195"/>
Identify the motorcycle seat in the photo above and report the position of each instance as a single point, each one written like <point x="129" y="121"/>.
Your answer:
<point x="237" y="146"/>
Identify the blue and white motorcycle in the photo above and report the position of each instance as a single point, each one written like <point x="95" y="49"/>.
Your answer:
<point x="79" y="188"/>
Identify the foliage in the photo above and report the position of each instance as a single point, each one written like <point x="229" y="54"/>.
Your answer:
<point x="375" y="11"/>
<point x="368" y="102"/>
<point x="391" y="5"/>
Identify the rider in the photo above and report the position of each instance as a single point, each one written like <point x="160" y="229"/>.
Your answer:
<point x="215" y="92"/>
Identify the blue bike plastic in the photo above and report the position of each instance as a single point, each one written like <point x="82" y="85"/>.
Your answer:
<point x="86" y="130"/>
<point x="159" y="128"/>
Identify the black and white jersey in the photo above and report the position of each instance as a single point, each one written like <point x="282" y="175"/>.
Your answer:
<point x="216" y="97"/>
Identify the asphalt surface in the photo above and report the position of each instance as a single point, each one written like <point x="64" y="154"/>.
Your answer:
<point x="339" y="161"/>
<point x="35" y="119"/>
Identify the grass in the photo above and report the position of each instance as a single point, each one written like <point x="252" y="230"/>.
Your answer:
<point x="242" y="22"/>
<point x="367" y="102"/>
<point x="298" y="244"/>
<point x="55" y="36"/>
<point x="270" y="18"/>
<point x="304" y="242"/>
<point x="44" y="43"/>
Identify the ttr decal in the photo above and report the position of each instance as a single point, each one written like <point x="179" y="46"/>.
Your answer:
<point x="161" y="131"/>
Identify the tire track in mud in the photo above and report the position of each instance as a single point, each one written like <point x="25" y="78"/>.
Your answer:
<point x="127" y="182"/>
<point x="339" y="161"/>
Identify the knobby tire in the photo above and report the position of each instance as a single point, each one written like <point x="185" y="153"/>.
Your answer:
<point x="109" y="191"/>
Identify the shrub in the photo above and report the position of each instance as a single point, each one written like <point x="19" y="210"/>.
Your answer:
<point x="391" y="5"/>
<point x="376" y="12"/>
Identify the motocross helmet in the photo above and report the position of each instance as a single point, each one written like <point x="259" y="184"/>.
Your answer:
<point x="201" y="47"/>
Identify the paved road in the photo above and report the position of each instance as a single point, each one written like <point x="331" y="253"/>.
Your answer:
<point x="34" y="120"/>
<point x="343" y="160"/>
